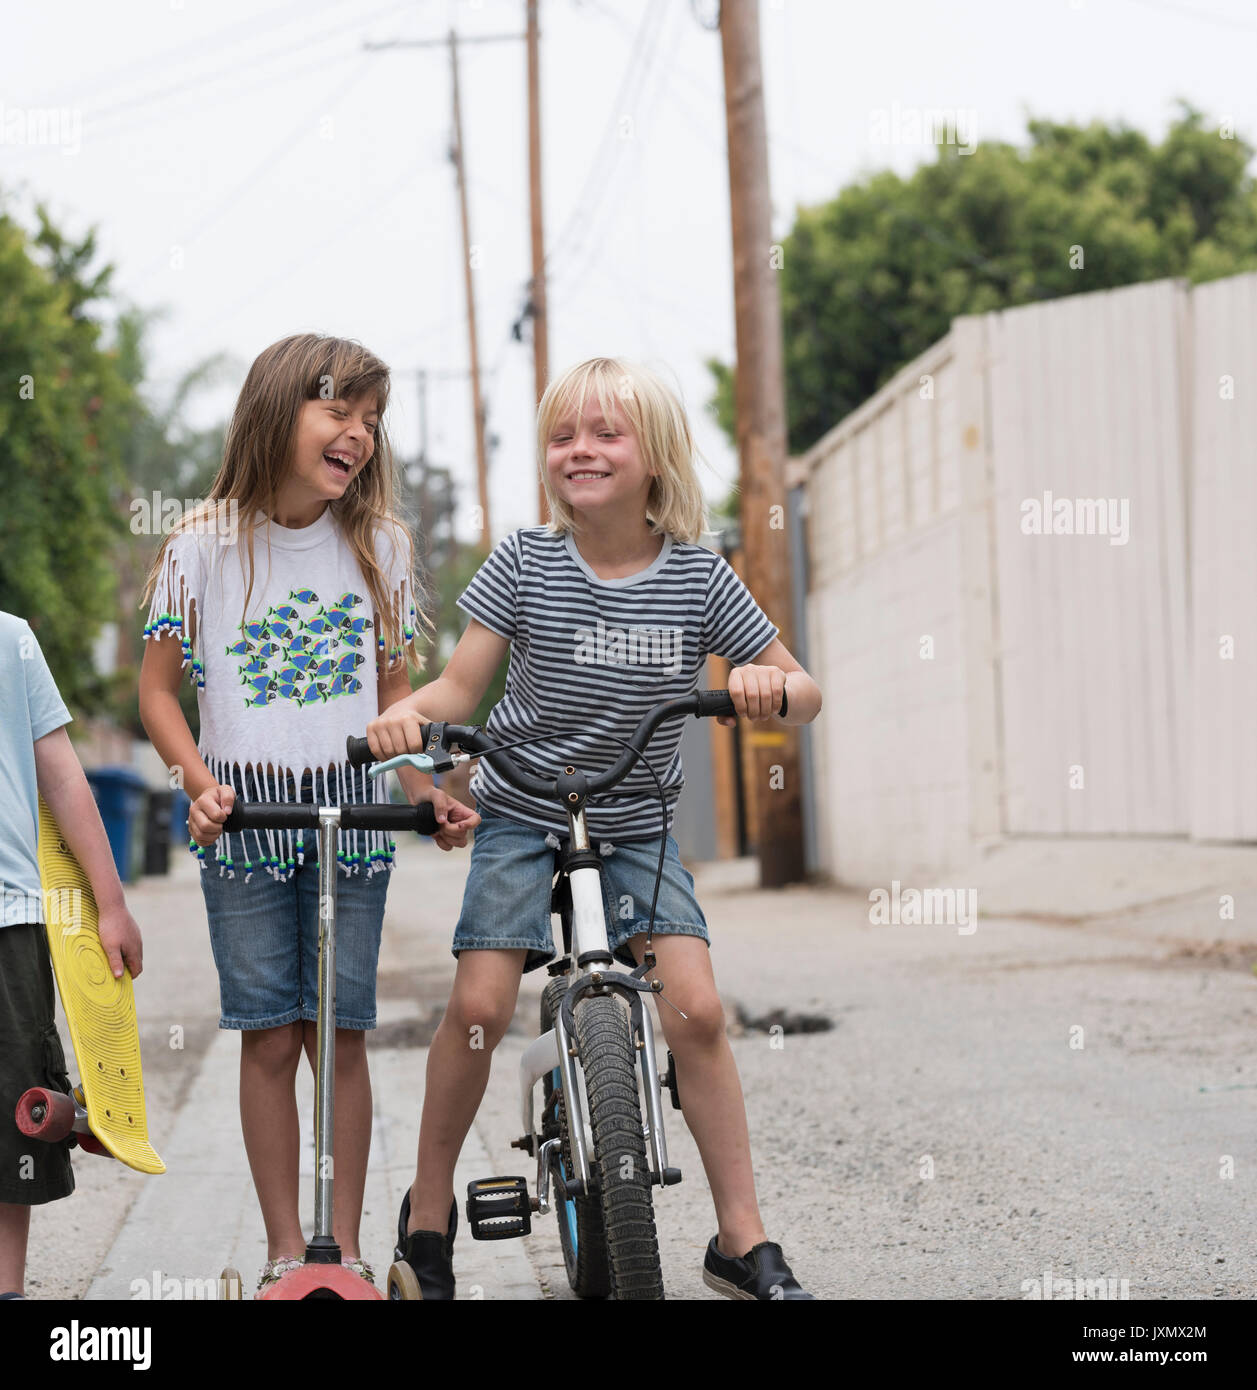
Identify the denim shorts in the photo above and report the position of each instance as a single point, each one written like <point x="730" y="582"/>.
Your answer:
<point x="265" y="937"/>
<point x="506" y="901"/>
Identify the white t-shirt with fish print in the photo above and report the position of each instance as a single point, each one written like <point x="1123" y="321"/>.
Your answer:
<point x="282" y="685"/>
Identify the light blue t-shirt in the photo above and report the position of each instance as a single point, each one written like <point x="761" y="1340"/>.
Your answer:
<point x="30" y="707"/>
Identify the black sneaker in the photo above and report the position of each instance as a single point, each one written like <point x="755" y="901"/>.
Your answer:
<point x="429" y="1253"/>
<point x="762" y="1273"/>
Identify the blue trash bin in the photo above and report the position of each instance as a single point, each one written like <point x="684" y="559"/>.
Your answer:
<point x="121" y="796"/>
<point x="179" y="817"/>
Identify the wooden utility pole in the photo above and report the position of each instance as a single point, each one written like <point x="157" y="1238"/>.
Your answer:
<point x="477" y="405"/>
<point x="537" y="290"/>
<point x="456" y="158"/>
<point x="761" y="425"/>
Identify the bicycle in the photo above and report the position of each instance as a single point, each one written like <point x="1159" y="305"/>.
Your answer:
<point x="592" y="1146"/>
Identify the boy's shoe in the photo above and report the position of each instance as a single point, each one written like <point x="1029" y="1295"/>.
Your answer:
<point x="429" y="1253"/>
<point x="762" y="1273"/>
<point x="274" y="1270"/>
<point x="22" y="1296"/>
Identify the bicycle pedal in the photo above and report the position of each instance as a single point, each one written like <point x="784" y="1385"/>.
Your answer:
<point x="498" y="1208"/>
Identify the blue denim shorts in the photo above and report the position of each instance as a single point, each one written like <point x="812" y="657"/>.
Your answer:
<point x="265" y="937"/>
<point x="506" y="901"/>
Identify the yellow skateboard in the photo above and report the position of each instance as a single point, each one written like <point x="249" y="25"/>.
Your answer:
<point x="106" y="1111"/>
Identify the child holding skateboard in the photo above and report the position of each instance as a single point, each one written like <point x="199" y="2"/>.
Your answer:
<point x="290" y="593"/>
<point x="36" y="757"/>
<point x="617" y="463"/>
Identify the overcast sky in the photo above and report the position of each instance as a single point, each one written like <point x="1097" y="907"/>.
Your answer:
<point x="254" y="171"/>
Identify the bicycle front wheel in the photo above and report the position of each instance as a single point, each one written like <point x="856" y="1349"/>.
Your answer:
<point x="580" y="1218"/>
<point x="604" y="1042"/>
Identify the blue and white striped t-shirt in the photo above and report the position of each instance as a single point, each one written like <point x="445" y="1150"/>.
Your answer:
<point x="592" y="655"/>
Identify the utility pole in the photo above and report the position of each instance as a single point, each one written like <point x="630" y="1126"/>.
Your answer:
<point x="761" y="425"/>
<point x="477" y="405"/>
<point x="537" y="289"/>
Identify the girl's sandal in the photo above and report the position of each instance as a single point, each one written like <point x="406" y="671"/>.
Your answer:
<point x="274" y="1270"/>
<point x="361" y="1268"/>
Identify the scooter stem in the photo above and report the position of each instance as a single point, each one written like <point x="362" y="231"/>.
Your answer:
<point x="323" y="1248"/>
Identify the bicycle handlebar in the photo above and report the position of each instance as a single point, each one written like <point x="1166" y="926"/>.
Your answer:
<point x="470" y="738"/>
<point x="287" y="815"/>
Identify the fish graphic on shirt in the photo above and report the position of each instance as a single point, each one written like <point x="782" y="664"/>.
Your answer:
<point x="304" y="596"/>
<point x="262" y="698"/>
<point x="344" y="685"/>
<point x="348" y="600"/>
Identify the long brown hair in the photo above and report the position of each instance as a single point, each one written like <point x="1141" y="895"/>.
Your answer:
<point x="257" y="458"/>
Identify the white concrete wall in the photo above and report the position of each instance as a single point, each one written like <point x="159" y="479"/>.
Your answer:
<point x="891" y="629"/>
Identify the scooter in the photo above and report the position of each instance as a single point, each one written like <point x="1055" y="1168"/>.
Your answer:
<point x="322" y="1275"/>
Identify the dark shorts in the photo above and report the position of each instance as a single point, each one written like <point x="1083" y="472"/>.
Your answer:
<point x="31" y="1172"/>
<point x="506" y="902"/>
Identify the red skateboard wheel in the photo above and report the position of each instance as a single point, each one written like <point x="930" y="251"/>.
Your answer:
<point x="45" y="1114"/>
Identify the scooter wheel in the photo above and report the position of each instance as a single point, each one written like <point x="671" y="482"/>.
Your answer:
<point x="230" y="1285"/>
<point x="403" y="1284"/>
<point x="45" y="1114"/>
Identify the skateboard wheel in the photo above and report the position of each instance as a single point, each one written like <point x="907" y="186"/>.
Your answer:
<point x="403" y="1284"/>
<point x="89" y="1143"/>
<point x="45" y="1114"/>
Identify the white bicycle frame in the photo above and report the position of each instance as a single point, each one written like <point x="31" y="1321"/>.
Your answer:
<point x="554" y="1049"/>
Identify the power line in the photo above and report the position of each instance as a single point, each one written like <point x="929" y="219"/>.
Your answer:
<point x="248" y="30"/>
<point x="598" y="164"/>
<point x="1205" y="16"/>
<point x="235" y="68"/>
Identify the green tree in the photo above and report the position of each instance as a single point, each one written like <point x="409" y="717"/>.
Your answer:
<point x="872" y="278"/>
<point x="65" y="406"/>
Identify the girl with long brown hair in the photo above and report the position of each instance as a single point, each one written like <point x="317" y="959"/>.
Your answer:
<point x="291" y="595"/>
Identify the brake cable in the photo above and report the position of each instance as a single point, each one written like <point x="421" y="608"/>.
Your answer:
<point x="648" y="955"/>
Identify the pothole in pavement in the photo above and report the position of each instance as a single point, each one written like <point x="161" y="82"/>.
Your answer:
<point x="780" y="1021"/>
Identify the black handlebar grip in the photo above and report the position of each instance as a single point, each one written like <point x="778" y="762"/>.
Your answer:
<point x="271" y="815"/>
<point x="717" y="702"/>
<point x="714" y="702"/>
<point x="420" y="818"/>
<point x="358" y="751"/>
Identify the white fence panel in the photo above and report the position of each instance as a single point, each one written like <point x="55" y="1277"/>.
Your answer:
<point x="1087" y="429"/>
<point x="1223" y="780"/>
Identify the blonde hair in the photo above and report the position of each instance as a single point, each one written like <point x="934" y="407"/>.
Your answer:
<point x="654" y="411"/>
<point x="257" y="459"/>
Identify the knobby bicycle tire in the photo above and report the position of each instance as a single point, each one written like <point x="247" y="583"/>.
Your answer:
<point x="583" y="1242"/>
<point x="604" y="1042"/>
